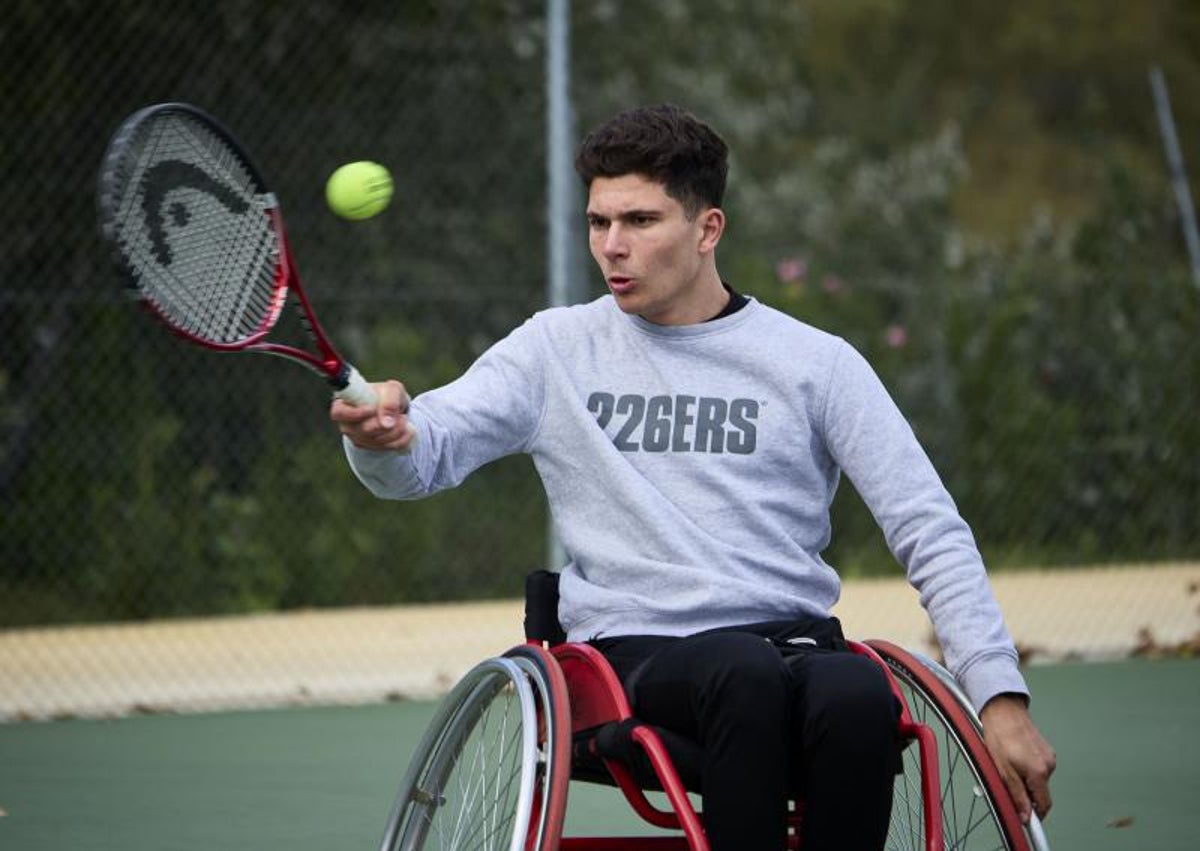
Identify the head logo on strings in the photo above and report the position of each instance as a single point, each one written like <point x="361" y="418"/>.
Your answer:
<point x="166" y="177"/>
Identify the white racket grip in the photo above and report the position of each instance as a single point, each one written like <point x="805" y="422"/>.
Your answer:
<point x="359" y="392"/>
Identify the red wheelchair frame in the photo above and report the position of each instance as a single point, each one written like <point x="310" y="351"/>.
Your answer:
<point x="558" y="694"/>
<point x="597" y="698"/>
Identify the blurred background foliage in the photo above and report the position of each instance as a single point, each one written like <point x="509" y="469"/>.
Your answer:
<point x="974" y="194"/>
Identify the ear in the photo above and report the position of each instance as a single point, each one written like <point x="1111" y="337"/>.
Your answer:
<point x="712" y="225"/>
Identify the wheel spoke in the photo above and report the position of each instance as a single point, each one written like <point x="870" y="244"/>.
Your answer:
<point x="480" y="777"/>
<point x="486" y="810"/>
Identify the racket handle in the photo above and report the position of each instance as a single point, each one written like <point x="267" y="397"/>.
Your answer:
<point x="357" y="391"/>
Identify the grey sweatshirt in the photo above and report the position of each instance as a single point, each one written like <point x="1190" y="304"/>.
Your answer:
<point x="690" y="470"/>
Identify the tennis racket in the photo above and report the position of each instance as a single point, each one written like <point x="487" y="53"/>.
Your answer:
<point x="199" y="237"/>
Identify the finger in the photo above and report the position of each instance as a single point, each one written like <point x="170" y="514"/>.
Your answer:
<point x="1039" y="791"/>
<point x="371" y="435"/>
<point x="393" y="402"/>
<point x="402" y="441"/>
<point x="1016" y="789"/>
<point x="343" y="412"/>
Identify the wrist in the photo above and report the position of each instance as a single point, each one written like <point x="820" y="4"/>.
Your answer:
<point x="1006" y="701"/>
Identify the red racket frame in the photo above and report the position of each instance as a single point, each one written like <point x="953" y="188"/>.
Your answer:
<point x="327" y="362"/>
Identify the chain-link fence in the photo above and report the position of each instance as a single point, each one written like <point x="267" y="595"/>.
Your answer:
<point x="1054" y="376"/>
<point x="142" y="478"/>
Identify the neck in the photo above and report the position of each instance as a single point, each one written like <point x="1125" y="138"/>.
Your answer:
<point x="707" y="299"/>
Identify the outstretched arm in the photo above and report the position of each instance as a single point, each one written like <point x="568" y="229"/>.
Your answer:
<point x="1024" y="758"/>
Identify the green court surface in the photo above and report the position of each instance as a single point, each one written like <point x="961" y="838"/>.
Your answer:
<point x="1127" y="736"/>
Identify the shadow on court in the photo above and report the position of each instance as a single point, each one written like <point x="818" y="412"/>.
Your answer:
<point x="1126" y="735"/>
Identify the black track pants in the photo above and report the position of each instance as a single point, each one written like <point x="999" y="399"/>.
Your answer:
<point x="822" y="724"/>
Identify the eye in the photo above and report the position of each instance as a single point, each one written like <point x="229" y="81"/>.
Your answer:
<point x="597" y="222"/>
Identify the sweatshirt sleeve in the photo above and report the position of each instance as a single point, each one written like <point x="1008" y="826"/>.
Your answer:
<point x="871" y="441"/>
<point x="494" y="409"/>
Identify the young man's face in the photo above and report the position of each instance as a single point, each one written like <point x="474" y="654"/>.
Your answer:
<point x="657" y="263"/>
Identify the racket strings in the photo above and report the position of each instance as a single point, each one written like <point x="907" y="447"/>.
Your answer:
<point x="193" y="228"/>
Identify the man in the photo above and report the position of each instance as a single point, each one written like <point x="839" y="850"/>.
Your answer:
<point x="690" y="440"/>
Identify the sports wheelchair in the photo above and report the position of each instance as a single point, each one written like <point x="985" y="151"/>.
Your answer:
<point x="493" y="769"/>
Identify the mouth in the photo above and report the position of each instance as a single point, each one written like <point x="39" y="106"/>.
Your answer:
<point x="620" y="284"/>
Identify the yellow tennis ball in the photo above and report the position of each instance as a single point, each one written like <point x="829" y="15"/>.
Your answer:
<point x="359" y="190"/>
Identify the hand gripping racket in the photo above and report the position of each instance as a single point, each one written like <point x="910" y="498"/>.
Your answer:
<point x="198" y="235"/>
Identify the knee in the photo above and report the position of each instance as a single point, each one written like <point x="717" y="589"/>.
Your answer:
<point x="855" y="697"/>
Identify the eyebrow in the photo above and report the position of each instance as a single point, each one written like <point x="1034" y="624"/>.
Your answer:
<point x="625" y="215"/>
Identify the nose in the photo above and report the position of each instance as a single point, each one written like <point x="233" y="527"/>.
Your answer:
<point x="614" y="244"/>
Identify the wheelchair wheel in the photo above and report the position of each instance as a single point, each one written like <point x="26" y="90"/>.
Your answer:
<point x="482" y="776"/>
<point x="977" y="810"/>
<point x="554" y="743"/>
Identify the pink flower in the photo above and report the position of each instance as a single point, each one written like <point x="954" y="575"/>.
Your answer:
<point x="791" y="270"/>
<point x="896" y="336"/>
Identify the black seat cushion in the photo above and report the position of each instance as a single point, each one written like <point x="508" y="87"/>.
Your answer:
<point x="614" y="741"/>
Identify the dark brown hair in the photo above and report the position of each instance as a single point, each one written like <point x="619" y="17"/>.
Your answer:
<point x="665" y="143"/>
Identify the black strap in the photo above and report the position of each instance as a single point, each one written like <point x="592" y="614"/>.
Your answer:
<point x="541" y="608"/>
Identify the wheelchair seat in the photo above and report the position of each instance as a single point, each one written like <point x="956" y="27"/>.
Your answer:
<point x="615" y="741"/>
<point x="607" y="731"/>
